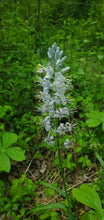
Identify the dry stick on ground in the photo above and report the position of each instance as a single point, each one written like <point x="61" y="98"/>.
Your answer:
<point x="28" y="166"/>
<point x="84" y="180"/>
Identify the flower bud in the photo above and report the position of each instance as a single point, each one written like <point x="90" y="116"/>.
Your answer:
<point x="63" y="59"/>
<point x="50" y="59"/>
<point x="57" y="52"/>
<point x="50" y="51"/>
<point x="58" y="67"/>
<point x="65" y="69"/>
<point x="60" y="54"/>
<point x="54" y="47"/>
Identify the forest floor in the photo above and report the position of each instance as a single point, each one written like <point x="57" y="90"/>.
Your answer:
<point x="44" y="170"/>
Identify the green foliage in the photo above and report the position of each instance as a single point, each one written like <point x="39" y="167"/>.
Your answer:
<point x="89" y="197"/>
<point x="54" y="188"/>
<point x="28" y="28"/>
<point x="49" y="206"/>
<point x="58" y="205"/>
<point x="16" y="203"/>
<point x="95" y="118"/>
<point x="101" y="183"/>
<point x="6" y="151"/>
<point x="68" y="163"/>
<point x="51" y="215"/>
<point x="84" y="161"/>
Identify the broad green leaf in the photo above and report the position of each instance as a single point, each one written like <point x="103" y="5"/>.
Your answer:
<point x="94" y="114"/>
<point x="88" y="196"/>
<point x="4" y="162"/>
<point x="49" y="206"/>
<point x="94" y="118"/>
<point x="93" y="122"/>
<point x="54" y="188"/>
<point x="16" y="153"/>
<point x="9" y="139"/>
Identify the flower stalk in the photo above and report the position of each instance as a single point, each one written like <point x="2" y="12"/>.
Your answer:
<point x="54" y="100"/>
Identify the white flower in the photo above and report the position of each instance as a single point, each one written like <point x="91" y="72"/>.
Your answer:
<point x="41" y="68"/>
<point x="61" y="112"/>
<point x="47" y="123"/>
<point x="45" y="97"/>
<point x="45" y="83"/>
<point x="50" y="140"/>
<point x="48" y="108"/>
<point x="49" y="72"/>
<point x="53" y="96"/>
<point x="61" y="129"/>
<point x="67" y="143"/>
<point x="68" y="126"/>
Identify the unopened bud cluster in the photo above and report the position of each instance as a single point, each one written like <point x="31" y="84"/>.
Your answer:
<point x="53" y="95"/>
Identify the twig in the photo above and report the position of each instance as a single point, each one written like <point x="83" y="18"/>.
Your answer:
<point x="28" y="166"/>
<point x="84" y="180"/>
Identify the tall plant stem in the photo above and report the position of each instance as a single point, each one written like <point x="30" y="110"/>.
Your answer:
<point x="69" y="211"/>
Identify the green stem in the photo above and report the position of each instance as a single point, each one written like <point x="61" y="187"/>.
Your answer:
<point x="69" y="211"/>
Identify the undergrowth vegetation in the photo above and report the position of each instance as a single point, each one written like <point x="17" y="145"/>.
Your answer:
<point x="38" y="180"/>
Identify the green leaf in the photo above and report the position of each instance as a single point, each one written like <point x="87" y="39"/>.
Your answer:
<point x="93" y="114"/>
<point x="3" y="110"/>
<point x="88" y="196"/>
<point x="88" y="216"/>
<point x="93" y="122"/>
<point x="100" y="57"/>
<point x="54" y="188"/>
<point x="4" y="162"/>
<point x="16" y="153"/>
<point x="100" y="159"/>
<point x="50" y="206"/>
<point x="94" y="118"/>
<point x="9" y="139"/>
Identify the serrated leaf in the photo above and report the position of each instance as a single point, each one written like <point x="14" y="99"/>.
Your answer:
<point x="50" y="206"/>
<point x="9" y="139"/>
<point x="16" y="153"/>
<point x="94" y="114"/>
<point x="4" y="162"/>
<point x="88" y="196"/>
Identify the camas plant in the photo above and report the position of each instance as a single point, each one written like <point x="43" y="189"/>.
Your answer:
<point x="56" y="104"/>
